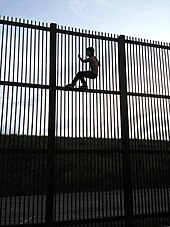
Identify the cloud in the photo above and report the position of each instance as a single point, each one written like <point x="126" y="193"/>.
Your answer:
<point x="79" y="6"/>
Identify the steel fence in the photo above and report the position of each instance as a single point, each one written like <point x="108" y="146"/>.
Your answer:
<point x="82" y="157"/>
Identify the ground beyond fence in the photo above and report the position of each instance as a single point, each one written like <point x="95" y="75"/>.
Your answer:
<point x="71" y="157"/>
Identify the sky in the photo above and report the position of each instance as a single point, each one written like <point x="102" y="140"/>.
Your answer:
<point x="146" y="19"/>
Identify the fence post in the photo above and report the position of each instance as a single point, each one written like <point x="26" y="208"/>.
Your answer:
<point x="128" y="199"/>
<point x="51" y="128"/>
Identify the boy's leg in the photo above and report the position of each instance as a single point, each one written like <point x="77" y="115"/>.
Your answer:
<point x="87" y="74"/>
<point x="79" y="76"/>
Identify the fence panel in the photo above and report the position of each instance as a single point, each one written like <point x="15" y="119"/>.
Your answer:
<point x="148" y="105"/>
<point x="88" y="162"/>
<point x="24" y="107"/>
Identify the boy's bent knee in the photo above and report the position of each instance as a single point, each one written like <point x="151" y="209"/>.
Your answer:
<point x="78" y="75"/>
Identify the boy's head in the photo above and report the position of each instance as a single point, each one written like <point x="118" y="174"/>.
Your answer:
<point x="90" y="51"/>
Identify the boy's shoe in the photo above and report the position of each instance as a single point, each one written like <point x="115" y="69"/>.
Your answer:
<point x="83" y="87"/>
<point x="69" y="86"/>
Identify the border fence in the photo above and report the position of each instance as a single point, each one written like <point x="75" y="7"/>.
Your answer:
<point x="82" y="157"/>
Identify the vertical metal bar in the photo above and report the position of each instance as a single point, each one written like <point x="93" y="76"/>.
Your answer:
<point x="115" y="164"/>
<point x="7" y="76"/>
<point x="36" y="70"/>
<point x="3" y="87"/>
<point x="5" y="50"/>
<point x="167" y="69"/>
<point x="33" y="59"/>
<point x="76" y="97"/>
<point x="43" y="121"/>
<point x="25" y="79"/>
<point x="64" y="54"/>
<point x="141" y="177"/>
<point x="164" y="70"/>
<point x="3" y="179"/>
<point x="117" y="99"/>
<point x="74" y="156"/>
<point x="103" y="185"/>
<point x="72" y="93"/>
<point x="61" y="96"/>
<point x="99" y="57"/>
<point x="91" y="109"/>
<point x="57" y="82"/>
<point x="45" y="73"/>
<point x="156" y="83"/>
<point x="37" y="177"/>
<point x="98" y="172"/>
<point x="79" y="160"/>
<point x="121" y="194"/>
<point x="59" y="188"/>
<point x="40" y="117"/>
<point x="66" y="118"/>
<point x="66" y="212"/>
<point x="163" y="148"/>
<point x="33" y="161"/>
<point x="22" y="55"/>
<point x="73" y="159"/>
<point x="25" y="180"/>
<point x="69" y="94"/>
<point x="109" y="184"/>
<point x="8" y="127"/>
<point x="125" y="134"/>
<point x="29" y="182"/>
<point x="162" y="101"/>
<point x="2" y="47"/>
<point x="109" y="65"/>
<point x="57" y="157"/>
<point x="29" y="80"/>
<point x="51" y="128"/>
<point x="6" y="195"/>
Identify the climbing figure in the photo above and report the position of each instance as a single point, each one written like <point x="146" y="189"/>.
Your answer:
<point x="91" y="74"/>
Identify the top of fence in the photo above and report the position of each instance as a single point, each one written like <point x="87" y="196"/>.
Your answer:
<point x="81" y="32"/>
<point x="24" y="23"/>
<point x="147" y="42"/>
<point x="60" y="29"/>
<point x="87" y="33"/>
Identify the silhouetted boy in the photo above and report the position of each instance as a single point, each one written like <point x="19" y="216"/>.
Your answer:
<point x="91" y="74"/>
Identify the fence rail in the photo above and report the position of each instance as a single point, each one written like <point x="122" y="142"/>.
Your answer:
<point x="71" y="157"/>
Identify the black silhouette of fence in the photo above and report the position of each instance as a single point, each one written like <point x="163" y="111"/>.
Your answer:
<point x="72" y="157"/>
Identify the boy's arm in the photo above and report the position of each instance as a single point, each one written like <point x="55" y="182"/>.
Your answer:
<point x="84" y="61"/>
